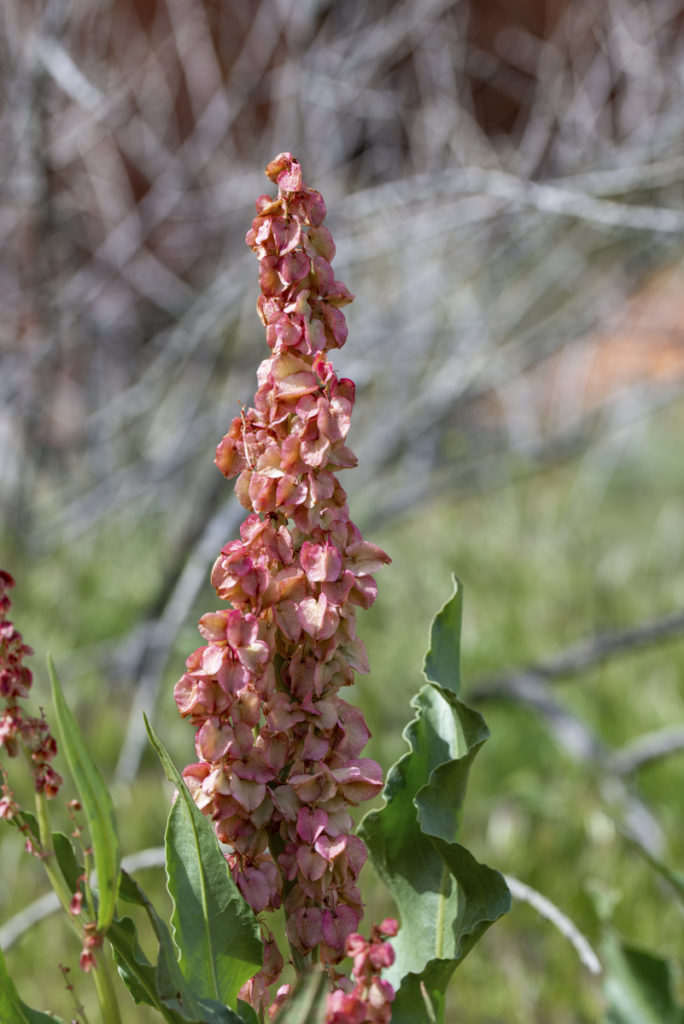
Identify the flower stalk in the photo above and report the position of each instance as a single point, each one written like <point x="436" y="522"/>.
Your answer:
<point x="278" y="750"/>
<point x="22" y="732"/>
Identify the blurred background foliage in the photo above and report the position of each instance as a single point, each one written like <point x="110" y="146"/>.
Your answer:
<point x="504" y="181"/>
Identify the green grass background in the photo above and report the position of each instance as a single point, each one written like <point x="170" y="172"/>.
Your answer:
<point x="552" y="558"/>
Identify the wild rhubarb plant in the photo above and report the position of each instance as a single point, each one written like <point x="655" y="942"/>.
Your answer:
<point x="261" y="825"/>
<point x="278" y="748"/>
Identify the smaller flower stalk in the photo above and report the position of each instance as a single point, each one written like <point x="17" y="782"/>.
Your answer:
<point x="279" y="751"/>
<point x="19" y="731"/>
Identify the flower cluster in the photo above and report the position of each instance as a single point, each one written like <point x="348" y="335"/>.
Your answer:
<point x="370" y="1002"/>
<point x="278" y="750"/>
<point x="17" y="729"/>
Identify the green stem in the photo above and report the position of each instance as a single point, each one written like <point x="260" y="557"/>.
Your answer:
<point x="106" y="995"/>
<point x="104" y="987"/>
<point x="302" y="964"/>
<point x="48" y="858"/>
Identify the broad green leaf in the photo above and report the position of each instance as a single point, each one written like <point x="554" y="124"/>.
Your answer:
<point x="445" y="898"/>
<point x="443" y="660"/>
<point x="422" y="997"/>
<point x="214" y="928"/>
<point x="12" y="1009"/>
<point x="97" y="805"/>
<point x="447" y="736"/>
<point x="247" y="1012"/>
<point x="307" y="1003"/>
<point x="638" y="985"/>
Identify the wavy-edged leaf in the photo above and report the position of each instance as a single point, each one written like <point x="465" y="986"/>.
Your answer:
<point x="12" y="1009"/>
<point x="307" y="1004"/>
<point x="214" y="928"/>
<point x="97" y="805"/>
<point x="443" y="659"/>
<point x="445" y="898"/>
<point x="638" y="986"/>
<point x="422" y="997"/>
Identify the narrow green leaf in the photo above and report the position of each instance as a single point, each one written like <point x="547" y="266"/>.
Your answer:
<point x="307" y="1003"/>
<point x="12" y="1009"/>
<point x="638" y="986"/>
<point x="97" y="805"/>
<point x="134" y="967"/>
<point x="214" y="928"/>
<point x="66" y="858"/>
<point x="172" y="989"/>
<point x="25" y="818"/>
<point x="443" y="660"/>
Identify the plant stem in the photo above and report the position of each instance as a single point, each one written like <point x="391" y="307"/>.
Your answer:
<point x="301" y="963"/>
<point x="48" y="860"/>
<point x="106" y="995"/>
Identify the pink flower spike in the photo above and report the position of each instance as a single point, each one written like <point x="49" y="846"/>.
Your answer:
<point x="278" y="750"/>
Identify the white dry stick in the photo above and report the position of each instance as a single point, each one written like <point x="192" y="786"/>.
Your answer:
<point x="153" y="857"/>
<point x="551" y="912"/>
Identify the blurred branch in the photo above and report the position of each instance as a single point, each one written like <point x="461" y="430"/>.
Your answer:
<point x="582" y="744"/>
<point x="156" y="644"/>
<point x="583" y="656"/>
<point x="652" y="746"/>
<point x="44" y="906"/>
<point x="549" y="911"/>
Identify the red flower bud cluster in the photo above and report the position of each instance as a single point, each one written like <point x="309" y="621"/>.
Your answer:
<point x="17" y="729"/>
<point x="278" y="750"/>
<point x="370" y="1002"/>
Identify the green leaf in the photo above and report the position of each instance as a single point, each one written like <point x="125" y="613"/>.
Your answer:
<point x="214" y="928"/>
<point x="247" y="1012"/>
<point x="170" y="985"/>
<point x="445" y="898"/>
<point x="71" y="870"/>
<point x="97" y="805"/>
<point x="25" y="818"/>
<point x="638" y="985"/>
<point x="443" y="659"/>
<point x="134" y="967"/>
<point x="12" y="1009"/>
<point x="174" y="993"/>
<point x="307" y="1003"/>
<point x="422" y="997"/>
